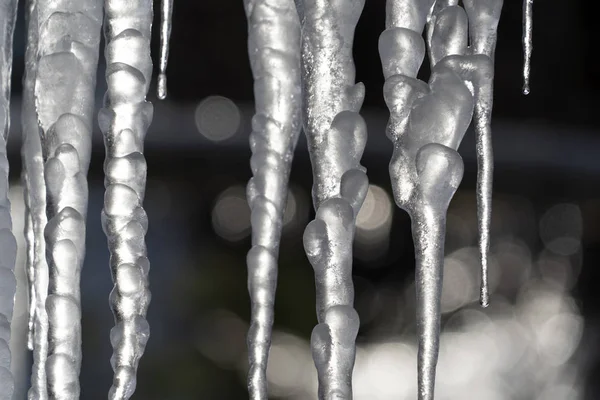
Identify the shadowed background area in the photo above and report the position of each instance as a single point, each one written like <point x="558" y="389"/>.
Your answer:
<point x="539" y="338"/>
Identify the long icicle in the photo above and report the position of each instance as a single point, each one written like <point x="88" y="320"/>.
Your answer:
<point x="124" y="120"/>
<point x="527" y="42"/>
<point x="166" y="18"/>
<point x="484" y="16"/>
<point x="67" y="59"/>
<point x="8" y="244"/>
<point x="35" y="201"/>
<point x="427" y="123"/>
<point x="274" y="50"/>
<point x="336" y="136"/>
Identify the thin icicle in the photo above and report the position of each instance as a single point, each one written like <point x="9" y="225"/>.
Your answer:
<point x="65" y="79"/>
<point x="484" y="16"/>
<point x="274" y="49"/>
<point x="427" y="123"/>
<point x="527" y="42"/>
<point x="8" y="244"/>
<point x="166" y="17"/>
<point x="35" y="200"/>
<point x="336" y="136"/>
<point x="124" y="120"/>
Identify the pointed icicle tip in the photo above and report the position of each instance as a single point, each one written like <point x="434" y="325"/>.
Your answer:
<point x="166" y="18"/>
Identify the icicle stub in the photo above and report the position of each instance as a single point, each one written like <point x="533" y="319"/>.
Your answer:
<point x="35" y="202"/>
<point x="527" y="42"/>
<point x="8" y="244"/>
<point x="274" y="50"/>
<point x="166" y="18"/>
<point x="336" y="136"/>
<point x="68" y="36"/>
<point x="124" y="120"/>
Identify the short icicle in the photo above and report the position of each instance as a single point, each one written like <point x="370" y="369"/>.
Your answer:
<point x="8" y="244"/>
<point x="166" y="24"/>
<point x="274" y="50"/>
<point x="124" y="120"/>
<point x="68" y="38"/>
<point x="336" y="136"/>
<point x="527" y="43"/>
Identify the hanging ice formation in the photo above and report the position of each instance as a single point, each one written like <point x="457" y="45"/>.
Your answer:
<point x="166" y="16"/>
<point x="8" y="244"/>
<point x="527" y="42"/>
<point x="427" y="124"/>
<point x="336" y="136"/>
<point x="274" y="50"/>
<point x="124" y="121"/>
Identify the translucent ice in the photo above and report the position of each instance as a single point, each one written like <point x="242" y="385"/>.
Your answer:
<point x="124" y="121"/>
<point x="527" y="42"/>
<point x="8" y="244"/>
<point x="166" y="17"/>
<point x="66" y="35"/>
<point x="336" y="136"/>
<point x="274" y="50"/>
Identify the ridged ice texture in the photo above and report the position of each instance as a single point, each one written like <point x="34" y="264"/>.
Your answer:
<point x="527" y="42"/>
<point x="68" y="37"/>
<point x="8" y="244"/>
<point x="336" y="137"/>
<point x="274" y="50"/>
<point x="166" y="18"/>
<point x="124" y="121"/>
<point x="427" y="123"/>
<point x="36" y="219"/>
<point x="484" y="16"/>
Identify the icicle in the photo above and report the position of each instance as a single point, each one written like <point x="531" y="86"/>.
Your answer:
<point x="67" y="59"/>
<point x="124" y="122"/>
<point x="35" y="200"/>
<point x="166" y="16"/>
<point x="427" y="124"/>
<point x="274" y="49"/>
<point x="8" y="244"/>
<point x="527" y="42"/>
<point x="483" y="27"/>
<point x="336" y="137"/>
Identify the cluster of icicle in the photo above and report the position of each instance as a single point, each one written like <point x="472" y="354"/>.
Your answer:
<point x="61" y="61"/>
<point x="427" y="123"/>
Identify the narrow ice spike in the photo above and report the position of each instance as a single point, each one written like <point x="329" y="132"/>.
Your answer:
<point x="35" y="201"/>
<point x="8" y="244"/>
<point x="427" y="123"/>
<point x="336" y="136"/>
<point x="68" y="38"/>
<point x="124" y="120"/>
<point x="166" y="24"/>
<point x="527" y="42"/>
<point x="274" y="50"/>
<point x="484" y="16"/>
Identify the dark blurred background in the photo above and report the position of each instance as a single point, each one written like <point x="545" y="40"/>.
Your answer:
<point x="538" y="340"/>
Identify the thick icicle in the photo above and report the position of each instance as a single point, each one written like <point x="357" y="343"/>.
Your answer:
<point x="35" y="201"/>
<point x="124" y="120"/>
<point x="427" y="123"/>
<point x="274" y="49"/>
<point x="527" y="42"/>
<point x="484" y="16"/>
<point x="166" y="17"/>
<point x="65" y="78"/>
<point x="8" y="244"/>
<point x="336" y="136"/>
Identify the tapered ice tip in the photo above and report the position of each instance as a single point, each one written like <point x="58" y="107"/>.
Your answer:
<point x="484" y="296"/>
<point x="526" y="88"/>
<point x="162" y="86"/>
